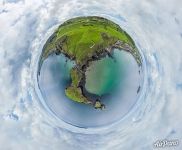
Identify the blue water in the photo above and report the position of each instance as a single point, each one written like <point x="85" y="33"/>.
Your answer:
<point x="54" y="78"/>
<point x="104" y="76"/>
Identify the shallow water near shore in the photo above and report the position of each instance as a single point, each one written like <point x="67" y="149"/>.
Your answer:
<point x="105" y="75"/>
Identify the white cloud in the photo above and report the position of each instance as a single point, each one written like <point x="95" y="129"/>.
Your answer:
<point x="156" y="25"/>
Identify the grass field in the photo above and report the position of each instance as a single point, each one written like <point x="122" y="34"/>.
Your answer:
<point x="81" y="37"/>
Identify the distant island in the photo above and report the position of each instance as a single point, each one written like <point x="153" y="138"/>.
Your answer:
<point x="85" y="40"/>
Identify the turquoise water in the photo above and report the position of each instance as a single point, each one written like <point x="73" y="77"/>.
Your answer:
<point x="105" y="75"/>
<point x="119" y="76"/>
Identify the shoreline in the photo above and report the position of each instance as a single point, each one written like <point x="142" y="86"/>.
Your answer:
<point x="85" y="40"/>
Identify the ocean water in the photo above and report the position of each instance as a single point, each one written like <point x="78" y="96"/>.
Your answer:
<point x="120" y="78"/>
<point x="26" y="120"/>
<point x="105" y="75"/>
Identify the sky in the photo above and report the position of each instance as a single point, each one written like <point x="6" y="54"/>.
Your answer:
<point x="155" y="26"/>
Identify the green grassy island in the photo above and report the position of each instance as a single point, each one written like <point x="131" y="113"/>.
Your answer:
<point x="84" y="40"/>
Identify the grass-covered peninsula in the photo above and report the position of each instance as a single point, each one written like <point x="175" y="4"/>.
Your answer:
<point x="84" y="40"/>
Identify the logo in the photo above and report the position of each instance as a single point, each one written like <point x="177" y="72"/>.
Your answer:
<point x="166" y="143"/>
